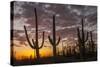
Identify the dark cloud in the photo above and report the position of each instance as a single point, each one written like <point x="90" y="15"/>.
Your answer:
<point x="68" y="18"/>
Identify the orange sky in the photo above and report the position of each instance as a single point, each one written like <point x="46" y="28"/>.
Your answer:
<point x="26" y="51"/>
<point x="22" y="50"/>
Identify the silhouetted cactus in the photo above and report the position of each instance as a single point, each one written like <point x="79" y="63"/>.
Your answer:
<point x="53" y="40"/>
<point x="91" y="43"/>
<point x="63" y="49"/>
<point x="82" y="38"/>
<point x="73" y="50"/>
<point x="35" y="43"/>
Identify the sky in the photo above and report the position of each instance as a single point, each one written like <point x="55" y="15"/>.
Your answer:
<point x="67" y="18"/>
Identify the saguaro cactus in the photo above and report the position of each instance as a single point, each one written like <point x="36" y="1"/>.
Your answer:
<point x="82" y="38"/>
<point x="91" y="43"/>
<point x="35" y="43"/>
<point x="53" y="40"/>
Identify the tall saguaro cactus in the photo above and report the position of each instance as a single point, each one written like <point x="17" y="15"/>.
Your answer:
<point x="35" y="43"/>
<point x="53" y="40"/>
<point x="82" y="38"/>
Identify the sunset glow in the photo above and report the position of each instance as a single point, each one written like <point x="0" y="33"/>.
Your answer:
<point x="26" y="51"/>
<point x="44" y="33"/>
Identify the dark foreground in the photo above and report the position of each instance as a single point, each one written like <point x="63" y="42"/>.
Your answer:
<point x="52" y="60"/>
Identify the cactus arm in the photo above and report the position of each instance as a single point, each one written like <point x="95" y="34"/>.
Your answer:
<point x="42" y="41"/>
<point x="91" y="37"/>
<point x="50" y="40"/>
<point x="58" y="41"/>
<point x="78" y="34"/>
<point x="28" y="38"/>
<point x="34" y="43"/>
<point x="86" y="37"/>
<point x="82" y="31"/>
